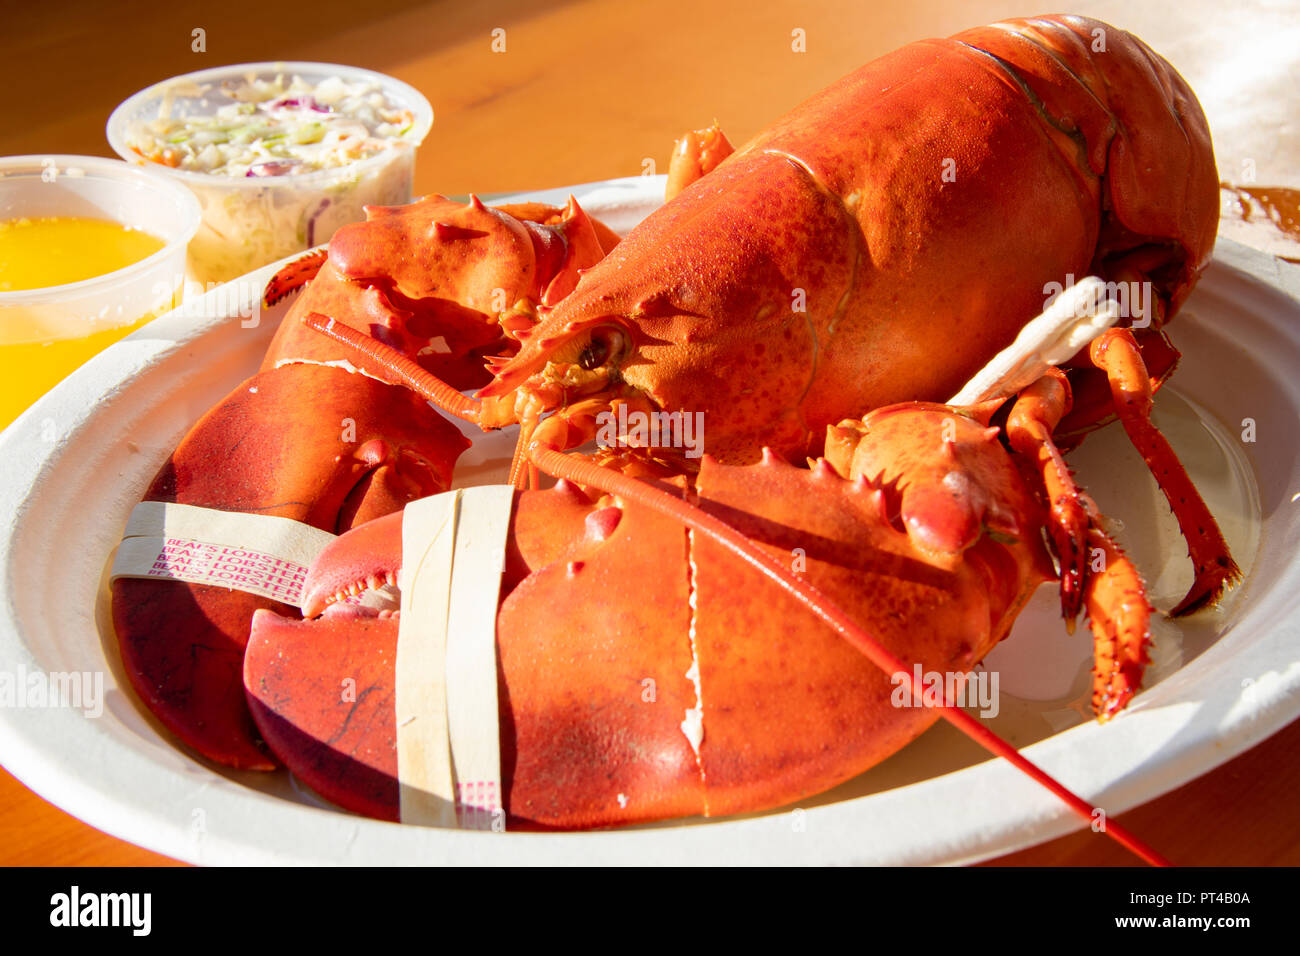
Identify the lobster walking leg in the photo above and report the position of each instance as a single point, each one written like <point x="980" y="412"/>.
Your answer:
<point x="1037" y="411"/>
<point x="1116" y="354"/>
<point x="1120" y="616"/>
<point x="696" y="154"/>
<point x="1115" y="596"/>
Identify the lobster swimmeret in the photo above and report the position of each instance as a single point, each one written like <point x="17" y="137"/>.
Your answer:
<point x="876" y="246"/>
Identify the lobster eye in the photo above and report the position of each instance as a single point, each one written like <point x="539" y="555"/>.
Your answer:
<point x="593" y="355"/>
<point x="606" y="346"/>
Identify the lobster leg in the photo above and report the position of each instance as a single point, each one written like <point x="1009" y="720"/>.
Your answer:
<point x="1114" y="594"/>
<point x="1035" y="414"/>
<point x="1116" y="353"/>
<point x="696" y="154"/>
<point x="294" y="276"/>
<point x="1121" y="616"/>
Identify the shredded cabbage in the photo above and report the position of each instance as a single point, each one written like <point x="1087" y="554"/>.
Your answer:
<point x="275" y="129"/>
<point x="243" y="229"/>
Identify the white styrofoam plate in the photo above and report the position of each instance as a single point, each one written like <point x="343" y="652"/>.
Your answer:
<point x="77" y="462"/>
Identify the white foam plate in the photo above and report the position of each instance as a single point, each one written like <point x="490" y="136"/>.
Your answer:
<point x="80" y="458"/>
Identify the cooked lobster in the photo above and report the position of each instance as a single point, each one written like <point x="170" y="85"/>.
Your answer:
<point x="878" y="245"/>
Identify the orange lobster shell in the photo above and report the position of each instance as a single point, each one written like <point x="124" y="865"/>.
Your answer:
<point x="886" y="238"/>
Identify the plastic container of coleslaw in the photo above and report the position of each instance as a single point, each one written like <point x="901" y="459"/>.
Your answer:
<point x="279" y="155"/>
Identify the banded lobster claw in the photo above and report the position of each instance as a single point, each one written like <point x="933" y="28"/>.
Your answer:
<point x="755" y="703"/>
<point x="356" y="450"/>
<point x="314" y="438"/>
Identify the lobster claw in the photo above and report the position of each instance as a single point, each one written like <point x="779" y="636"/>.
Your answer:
<point x="368" y="556"/>
<point x="614" y="588"/>
<point x="321" y="694"/>
<point x="312" y="440"/>
<point x="358" y="448"/>
<point x="433" y="278"/>
<point x="947" y="480"/>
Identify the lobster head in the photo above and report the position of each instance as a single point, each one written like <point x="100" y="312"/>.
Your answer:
<point x="830" y="266"/>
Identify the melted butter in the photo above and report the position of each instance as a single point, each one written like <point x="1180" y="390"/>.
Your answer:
<point x="1267" y="217"/>
<point x="55" y="250"/>
<point x="38" y="253"/>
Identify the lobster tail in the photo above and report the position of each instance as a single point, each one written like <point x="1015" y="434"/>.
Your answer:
<point x="1120" y="112"/>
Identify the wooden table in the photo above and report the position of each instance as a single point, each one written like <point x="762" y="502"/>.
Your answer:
<point x="595" y="89"/>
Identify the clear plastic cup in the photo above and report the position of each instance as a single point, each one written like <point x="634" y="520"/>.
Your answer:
<point x="250" y="221"/>
<point x="47" y="333"/>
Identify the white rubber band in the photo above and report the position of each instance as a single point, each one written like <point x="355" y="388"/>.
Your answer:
<point x="259" y="554"/>
<point x="425" y="785"/>
<point x="1076" y="317"/>
<point x="448" y="729"/>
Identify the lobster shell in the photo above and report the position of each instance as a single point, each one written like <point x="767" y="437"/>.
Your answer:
<point x="878" y="244"/>
<point x="886" y="238"/>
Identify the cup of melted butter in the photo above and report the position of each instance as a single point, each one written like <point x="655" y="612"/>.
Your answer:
<point x="90" y="249"/>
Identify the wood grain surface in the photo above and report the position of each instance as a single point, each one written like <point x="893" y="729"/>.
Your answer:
<point x="596" y="89"/>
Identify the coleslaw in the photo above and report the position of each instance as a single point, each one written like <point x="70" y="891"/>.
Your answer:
<point x="279" y="155"/>
<point x="273" y="128"/>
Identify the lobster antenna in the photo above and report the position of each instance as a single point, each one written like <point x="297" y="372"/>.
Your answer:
<point x="425" y="384"/>
<point x="390" y="360"/>
<point x="574" y="469"/>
